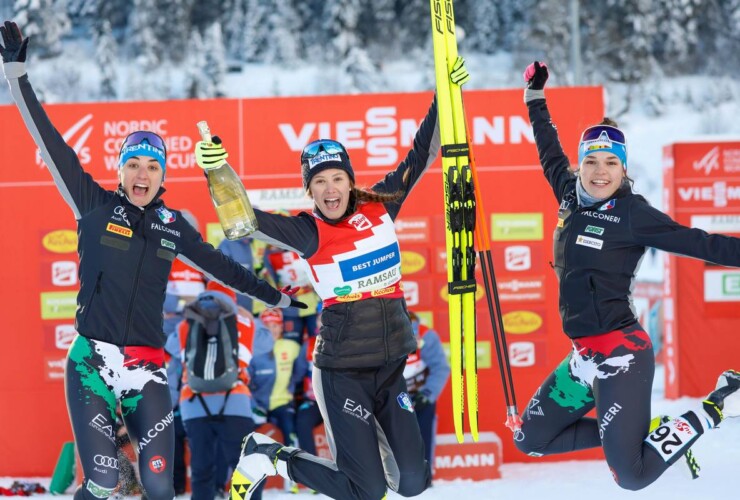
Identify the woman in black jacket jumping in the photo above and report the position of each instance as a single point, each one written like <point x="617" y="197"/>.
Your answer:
<point x="602" y="231"/>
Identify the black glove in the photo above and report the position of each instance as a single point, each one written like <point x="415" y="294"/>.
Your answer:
<point x="13" y="48"/>
<point x="536" y="75"/>
<point x="298" y="304"/>
<point x="287" y="300"/>
<point x="422" y="399"/>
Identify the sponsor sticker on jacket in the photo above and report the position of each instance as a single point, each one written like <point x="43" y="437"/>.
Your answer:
<point x="167" y="244"/>
<point x="115" y="228"/>
<point x="587" y="241"/>
<point x="595" y="230"/>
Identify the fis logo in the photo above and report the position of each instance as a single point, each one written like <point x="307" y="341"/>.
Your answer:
<point x="76" y="140"/>
<point x="404" y="401"/>
<point x="708" y="162"/>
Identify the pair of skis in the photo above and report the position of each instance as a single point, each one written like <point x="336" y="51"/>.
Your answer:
<point x="460" y="190"/>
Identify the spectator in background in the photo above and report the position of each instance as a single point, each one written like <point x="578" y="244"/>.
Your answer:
<point x="250" y="253"/>
<point x="426" y="374"/>
<point x="183" y="286"/>
<point x="273" y="376"/>
<point x="216" y="421"/>
<point x="286" y="270"/>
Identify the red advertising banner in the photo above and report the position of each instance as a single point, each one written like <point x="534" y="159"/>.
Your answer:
<point x="702" y="189"/>
<point x="264" y="137"/>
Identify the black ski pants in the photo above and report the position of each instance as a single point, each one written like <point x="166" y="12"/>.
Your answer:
<point x="98" y="377"/>
<point x="612" y="373"/>
<point x="372" y="433"/>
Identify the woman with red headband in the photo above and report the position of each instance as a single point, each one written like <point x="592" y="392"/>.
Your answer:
<point x="602" y="232"/>
<point x="128" y="240"/>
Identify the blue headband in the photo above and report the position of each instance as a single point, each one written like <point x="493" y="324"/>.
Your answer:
<point x="603" y="143"/>
<point x="143" y="149"/>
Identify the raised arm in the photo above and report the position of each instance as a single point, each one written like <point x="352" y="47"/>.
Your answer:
<point x="77" y="187"/>
<point x="555" y="164"/>
<point x="417" y="161"/>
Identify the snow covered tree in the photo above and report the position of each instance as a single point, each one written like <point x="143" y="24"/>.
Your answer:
<point x="415" y="24"/>
<point x="215" y="61"/>
<point x="483" y="27"/>
<point x="256" y="30"/>
<point x="284" y="26"/>
<point x="361" y="75"/>
<point x="143" y="82"/>
<point x="312" y="37"/>
<point x="196" y="79"/>
<point x="232" y="24"/>
<point x="378" y="28"/>
<point x="206" y="12"/>
<point x="114" y="11"/>
<point x="46" y="21"/>
<point x="340" y="20"/>
<point x="106" y="57"/>
<point x="171" y="26"/>
<point x="551" y="36"/>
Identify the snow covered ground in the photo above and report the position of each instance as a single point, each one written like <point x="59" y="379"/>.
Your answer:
<point x="718" y="453"/>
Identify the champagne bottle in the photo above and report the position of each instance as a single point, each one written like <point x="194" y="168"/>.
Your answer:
<point x="229" y="197"/>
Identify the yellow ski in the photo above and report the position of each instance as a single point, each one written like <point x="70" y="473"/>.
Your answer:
<point x="459" y="202"/>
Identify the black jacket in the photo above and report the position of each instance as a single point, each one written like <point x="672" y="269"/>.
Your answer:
<point x="597" y="248"/>
<point x="373" y="332"/>
<point x="125" y="252"/>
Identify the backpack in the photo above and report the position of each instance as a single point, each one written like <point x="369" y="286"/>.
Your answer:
<point x="211" y="350"/>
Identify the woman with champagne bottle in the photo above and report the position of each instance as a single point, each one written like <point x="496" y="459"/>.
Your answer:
<point x="127" y="241"/>
<point x="349" y="243"/>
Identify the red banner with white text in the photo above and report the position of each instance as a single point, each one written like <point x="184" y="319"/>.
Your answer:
<point x="264" y="138"/>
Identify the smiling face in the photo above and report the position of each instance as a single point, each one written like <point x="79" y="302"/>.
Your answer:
<point x="141" y="178"/>
<point x="601" y="174"/>
<point x="330" y="190"/>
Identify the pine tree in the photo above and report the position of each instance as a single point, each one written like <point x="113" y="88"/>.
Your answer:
<point x="46" y="21"/>
<point x="552" y="36"/>
<point x="172" y="27"/>
<point x="340" y="20"/>
<point x="143" y="82"/>
<point x="379" y="27"/>
<point x="197" y="85"/>
<point x="361" y="75"/>
<point x="256" y="31"/>
<point x="483" y="28"/>
<point x="232" y="27"/>
<point x="105" y="55"/>
<point x="284" y="26"/>
<point x="215" y="61"/>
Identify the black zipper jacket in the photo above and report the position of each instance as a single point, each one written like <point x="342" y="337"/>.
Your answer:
<point x="598" y="248"/>
<point x="125" y="252"/>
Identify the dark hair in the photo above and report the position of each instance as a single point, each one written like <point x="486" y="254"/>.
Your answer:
<point x="609" y="121"/>
<point x="366" y="195"/>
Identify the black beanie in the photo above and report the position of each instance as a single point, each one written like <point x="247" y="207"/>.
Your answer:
<point x="312" y="165"/>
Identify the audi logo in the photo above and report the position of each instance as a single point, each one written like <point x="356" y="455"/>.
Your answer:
<point x="106" y="461"/>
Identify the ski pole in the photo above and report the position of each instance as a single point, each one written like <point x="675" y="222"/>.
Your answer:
<point x="513" y="420"/>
